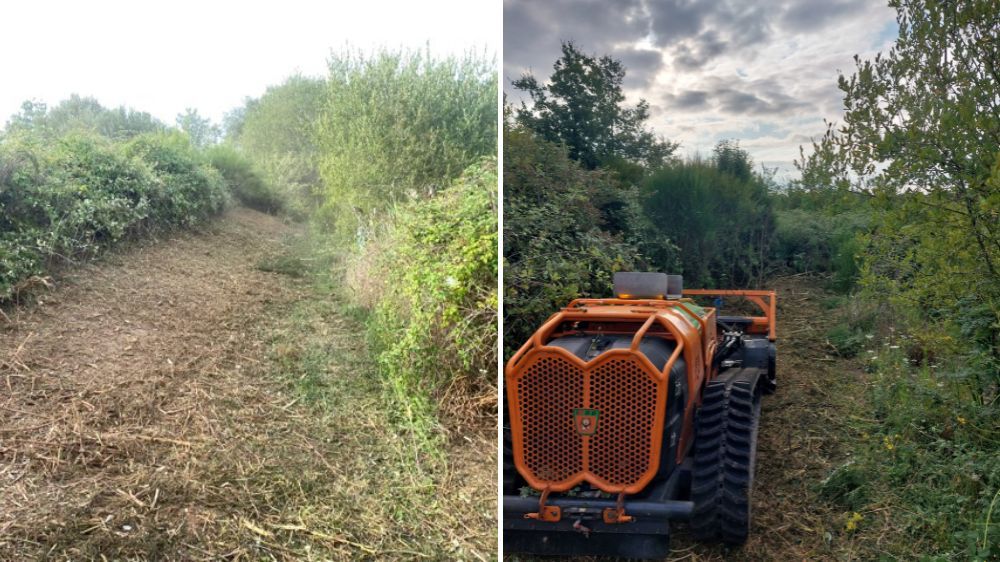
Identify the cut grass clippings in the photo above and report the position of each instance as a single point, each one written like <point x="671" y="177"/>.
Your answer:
<point x="177" y="402"/>
<point x="412" y="501"/>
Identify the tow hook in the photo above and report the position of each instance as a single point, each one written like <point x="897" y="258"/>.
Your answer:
<point x="617" y="513"/>
<point x="579" y="527"/>
<point x="550" y="513"/>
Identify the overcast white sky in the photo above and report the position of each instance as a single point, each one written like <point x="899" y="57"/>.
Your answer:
<point x="762" y="71"/>
<point x="165" y="56"/>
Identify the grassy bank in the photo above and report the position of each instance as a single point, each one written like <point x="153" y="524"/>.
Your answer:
<point x="402" y="188"/>
<point x="394" y="492"/>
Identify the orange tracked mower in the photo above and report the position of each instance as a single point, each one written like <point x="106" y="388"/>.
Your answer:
<point x="624" y="414"/>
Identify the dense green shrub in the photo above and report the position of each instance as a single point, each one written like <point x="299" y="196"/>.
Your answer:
<point x="278" y="133"/>
<point x="818" y="241"/>
<point x="244" y="181"/>
<point x="919" y="144"/>
<point x="928" y="452"/>
<point x="75" y="195"/>
<point x="400" y="125"/>
<point x="718" y="213"/>
<point x="434" y="320"/>
<point x="555" y="245"/>
<point x="82" y="115"/>
<point x="188" y="188"/>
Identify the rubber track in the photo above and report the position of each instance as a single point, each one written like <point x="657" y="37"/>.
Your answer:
<point x="724" y="455"/>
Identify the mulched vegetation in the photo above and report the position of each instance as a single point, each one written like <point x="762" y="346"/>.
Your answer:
<point x="148" y="410"/>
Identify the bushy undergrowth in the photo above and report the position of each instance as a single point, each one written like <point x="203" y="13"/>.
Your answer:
<point x="929" y="453"/>
<point x="372" y="155"/>
<point x="719" y="217"/>
<point x="926" y="447"/>
<point x="245" y="182"/>
<point x="811" y="240"/>
<point x="433" y="323"/>
<point x="397" y="126"/>
<point x="557" y="245"/>
<point x="278" y="133"/>
<point x="78" y="194"/>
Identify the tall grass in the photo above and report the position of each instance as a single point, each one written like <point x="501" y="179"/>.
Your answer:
<point x="397" y="126"/>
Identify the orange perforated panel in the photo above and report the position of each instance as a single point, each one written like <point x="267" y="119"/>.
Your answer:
<point x="549" y="388"/>
<point x="626" y="397"/>
<point x="546" y="390"/>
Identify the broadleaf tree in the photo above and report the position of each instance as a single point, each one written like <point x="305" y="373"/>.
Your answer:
<point x="583" y="107"/>
<point x="921" y="140"/>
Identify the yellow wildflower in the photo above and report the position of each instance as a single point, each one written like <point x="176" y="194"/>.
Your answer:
<point x="961" y="420"/>
<point x="853" y="520"/>
<point x="888" y="444"/>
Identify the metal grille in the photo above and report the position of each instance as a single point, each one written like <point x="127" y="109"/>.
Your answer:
<point x="548" y="391"/>
<point x="626" y="398"/>
<point x="550" y="387"/>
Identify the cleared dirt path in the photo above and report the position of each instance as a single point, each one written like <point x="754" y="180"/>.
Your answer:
<point x="120" y="391"/>
<point x="138" y="420"/>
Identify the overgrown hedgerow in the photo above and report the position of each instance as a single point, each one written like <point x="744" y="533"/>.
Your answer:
<point x="245" y="182"/>
<point x="76" y="195"/>
<point x="435" y="319"/>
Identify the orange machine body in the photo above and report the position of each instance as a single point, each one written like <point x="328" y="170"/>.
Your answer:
<point x="625" y="391"/>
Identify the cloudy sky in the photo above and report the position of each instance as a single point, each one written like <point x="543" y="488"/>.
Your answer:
<point x="762" y="71"/>
<point x="162" y="57"/>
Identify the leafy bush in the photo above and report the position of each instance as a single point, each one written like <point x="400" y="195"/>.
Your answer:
<point x="846" y="340"/>
<point x="718" y="213"/>
<point x="820" y="241"/>
<point x="82" y="115"/>
<point x="930" y="455"/>
<point x="188" y="189"/>
<point x="278" y="132"/>
<point x="434" y="322"/>
<point x="244" y="181"/>
<point x="555" y="247"/>
<point x="400" y="125"/>
<point x="78" y="194"/>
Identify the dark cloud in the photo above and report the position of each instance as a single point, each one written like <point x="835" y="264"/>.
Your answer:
<point x="688" y="100"/>
<point x="641" y="65"/>
<point x="694" y="32"/>
<point x="755" y="98"/>
<point x="673" y="20"/>
<point x="740" y="61"/>
<point x="533" y="30"/>
<point x="810" y="15"/>
<point x="734" y="101"/>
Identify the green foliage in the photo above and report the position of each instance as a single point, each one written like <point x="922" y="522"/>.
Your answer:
<point x="277" y="132"/>
<point x="719" y="215"/>
<point x="920" y="145"/>
<point x="814" y="240"/>
<point x="847" y="486"/>
<point x="435" y="320"/>
<point x="930" y="456"/>
<point x="581" y="106"/>
<point x="189" y="190"/>
<point x="921" y="139"/>
<point x="243" y="179"/>
<point x="398" y="126"/>
<point x="555" y="245"/>
<point x="199" y="129"/>
<point x="83" y="115"/>
<point x="77" y="195"/>
<point x="846" y="340"/>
